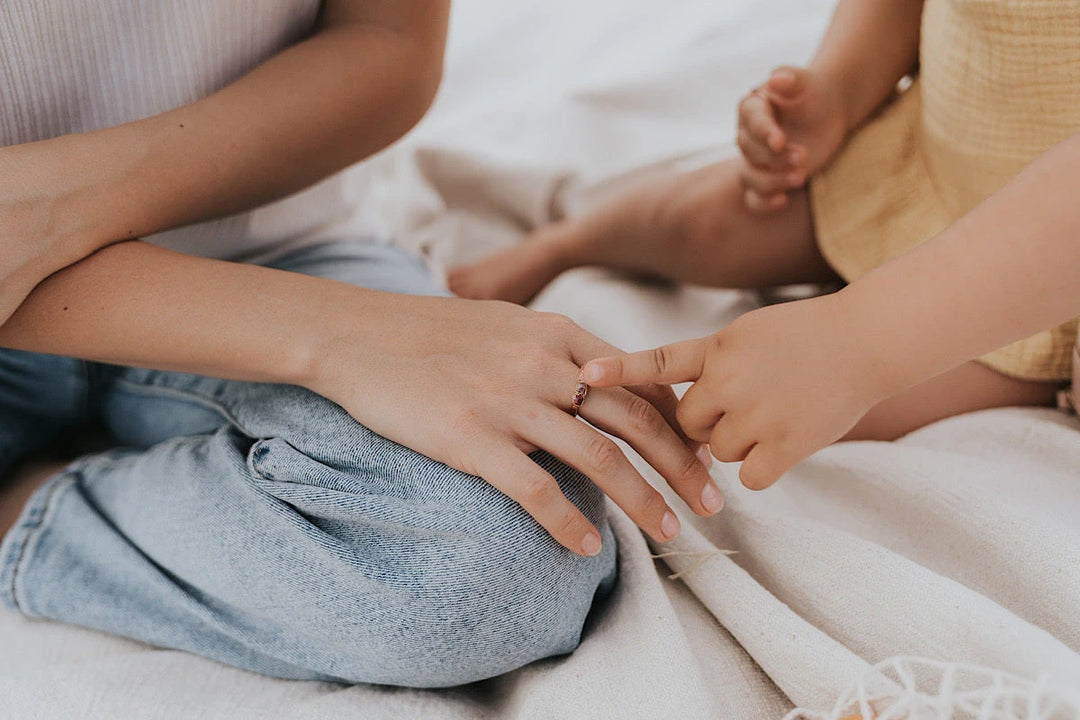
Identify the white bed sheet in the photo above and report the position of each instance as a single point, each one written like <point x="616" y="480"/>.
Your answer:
<point x="958" y="543"/>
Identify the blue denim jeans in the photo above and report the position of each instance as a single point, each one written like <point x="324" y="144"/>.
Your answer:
<point x="260" y="525"/>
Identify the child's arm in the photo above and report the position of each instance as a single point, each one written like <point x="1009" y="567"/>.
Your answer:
<point x="361" y="80"/>
<point x="1008" y="269"/>
<point x="792" y="125"/>
<point x="869" y="46"/>
<point x="782" y="382"/>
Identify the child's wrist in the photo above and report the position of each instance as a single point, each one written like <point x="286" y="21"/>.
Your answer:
<point x="845" y="91"/>
<point x="879" y="368"/>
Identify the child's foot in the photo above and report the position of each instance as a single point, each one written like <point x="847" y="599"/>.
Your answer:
<point x="516" y="274"/>
<point x="691" y="227"/>
<point x="625" y="233"/>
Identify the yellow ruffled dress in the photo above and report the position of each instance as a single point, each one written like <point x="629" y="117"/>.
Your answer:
<point x="998" y="84"/>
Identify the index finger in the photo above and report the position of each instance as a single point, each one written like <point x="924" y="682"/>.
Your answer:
<point x="679" y="362"/>
<point x="660" y="395"/>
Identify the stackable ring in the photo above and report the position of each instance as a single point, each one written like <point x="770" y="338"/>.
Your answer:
<point x="580" y="391"/>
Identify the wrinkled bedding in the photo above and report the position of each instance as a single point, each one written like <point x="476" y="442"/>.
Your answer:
<point x="956" y="546"/>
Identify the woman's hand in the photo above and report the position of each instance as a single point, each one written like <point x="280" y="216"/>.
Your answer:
<point x="475" y="384"/>
<point x="769" y="390"/>
<point x="479" y="385"/>
<point x="788" y="129"/>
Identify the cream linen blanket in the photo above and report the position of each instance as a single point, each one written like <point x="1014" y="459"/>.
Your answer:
<point x="958" y="544"/>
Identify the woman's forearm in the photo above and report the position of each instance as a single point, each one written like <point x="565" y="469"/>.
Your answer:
<point x="869" y="46"/>
<point x="358" y="83"/>
<point x="1007" y="270"/>
<point x="135" y="304"/>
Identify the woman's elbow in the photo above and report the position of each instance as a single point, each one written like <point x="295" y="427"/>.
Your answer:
<point x="411" y="83"/>
<point x="422" y="86"/>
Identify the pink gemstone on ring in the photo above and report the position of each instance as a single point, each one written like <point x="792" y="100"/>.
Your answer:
<point x="580" y="391"/>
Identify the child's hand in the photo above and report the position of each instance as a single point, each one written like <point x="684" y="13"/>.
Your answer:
<point x="788" y="129"/>
<point x="770" y="389"/>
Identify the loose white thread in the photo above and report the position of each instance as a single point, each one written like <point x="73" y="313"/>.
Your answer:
<point x="701" y="557"/>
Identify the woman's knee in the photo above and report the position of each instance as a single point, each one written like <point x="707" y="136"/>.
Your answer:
<point x="438" y="579"/>
<point x="468" y="612"/>
<point x="488" y="615"/>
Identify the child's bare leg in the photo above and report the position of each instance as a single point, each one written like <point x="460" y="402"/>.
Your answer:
<point x="970" y="387"/>
<point x="691" y="227"/>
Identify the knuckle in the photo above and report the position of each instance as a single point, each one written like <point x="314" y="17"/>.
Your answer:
<point x="653" y="506"/>
<point x="470" y="420"/>
<point x="558" y="323"/>
<point x="663" y="398"/>
<point x="662" y="359"/>
<point x="684" y="416"/>
<point x="651" y="393"/>
<point x="526" y="364"/>
<point x="690" y="467"/>
<point x="726" y="452"/>
<point x="602" y="455"/>
<point x="644" y="418"/>
<point x="569" y="525"/>
<point x="784" y="435"/>
<point x="537" y="490"/>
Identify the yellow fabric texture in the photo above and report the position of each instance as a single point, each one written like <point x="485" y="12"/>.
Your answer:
<point x="998" y="85"/>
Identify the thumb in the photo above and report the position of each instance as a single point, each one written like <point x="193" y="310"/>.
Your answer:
<point x="787" y="83"/>
<point x="675" y="363"/>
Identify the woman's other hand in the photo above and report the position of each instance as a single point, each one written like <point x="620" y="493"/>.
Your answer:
<point x="362" y="79"/>
<point x="41" y="230"/>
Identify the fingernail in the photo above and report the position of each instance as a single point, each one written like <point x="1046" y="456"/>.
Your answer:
<point x="592" y="373"/>
<point x="711" y="499"/>
<point x="669" y="526"/>
<point x="591" y="544"/>
<point x="705" y="456"/>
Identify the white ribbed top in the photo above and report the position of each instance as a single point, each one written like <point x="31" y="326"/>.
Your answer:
<point x="76" y="65"/>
